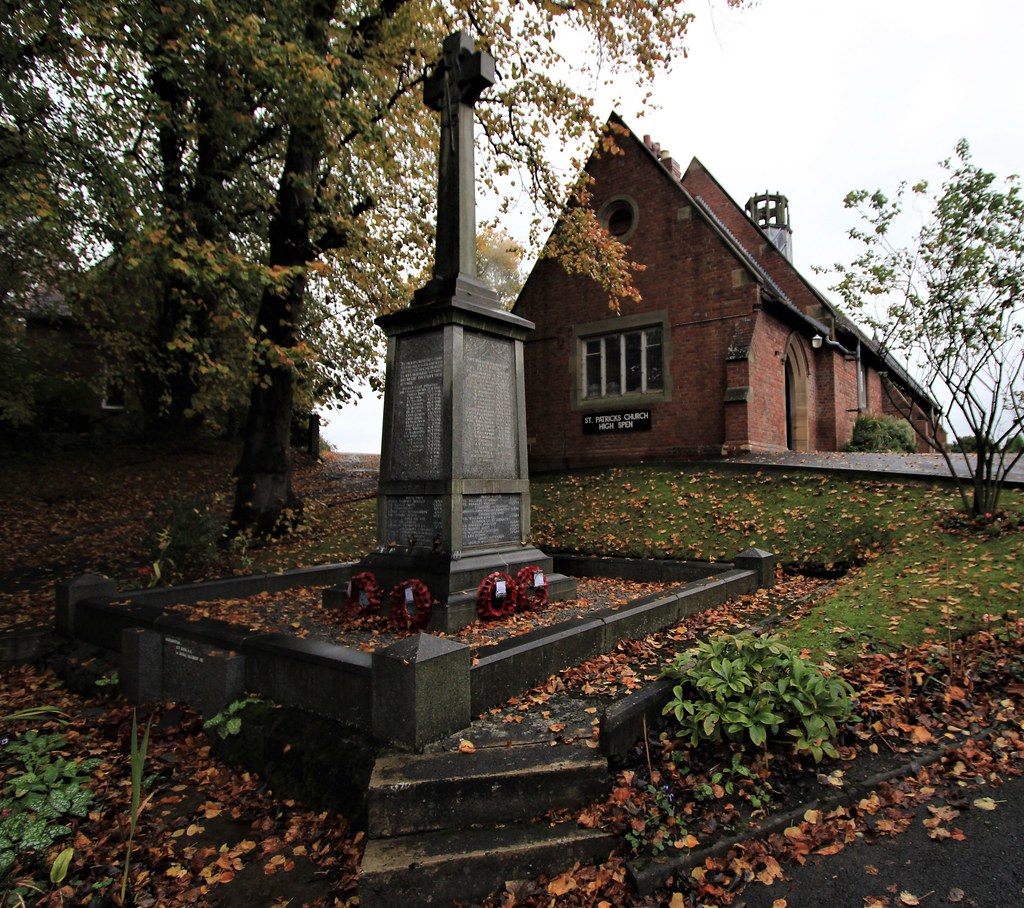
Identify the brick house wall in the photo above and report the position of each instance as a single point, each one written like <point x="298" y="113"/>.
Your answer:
<point x="772" y="343"/>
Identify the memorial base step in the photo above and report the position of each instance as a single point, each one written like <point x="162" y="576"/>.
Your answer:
<point x="453" y="826"/>
<point x="412" y="793"/>
<point x="439" y="868"/>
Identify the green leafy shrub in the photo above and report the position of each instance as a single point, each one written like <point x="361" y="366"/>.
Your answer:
<point x="968" y="444"/>
<point x="734" y="779"/>
<point x="42" y="791"/>
<point x="186" y="538"/>
<point x="228" y="722"/>
<point x="746" y="688"/>
<point x="881" y="433"/>
<point x="658" y="825"/>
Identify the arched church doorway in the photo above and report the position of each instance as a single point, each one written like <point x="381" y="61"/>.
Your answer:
<point x="789" y="404"/>
<point x="795" y="366"/>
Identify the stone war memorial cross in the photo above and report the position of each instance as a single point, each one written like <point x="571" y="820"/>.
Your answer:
<point x="452" y="89"/>
<point x="453" y="502"/>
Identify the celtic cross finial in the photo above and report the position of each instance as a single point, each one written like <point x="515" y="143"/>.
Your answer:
<point x="453" y="88"/>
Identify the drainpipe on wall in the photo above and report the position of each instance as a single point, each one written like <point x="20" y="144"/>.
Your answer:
<point x="862" y="391"/>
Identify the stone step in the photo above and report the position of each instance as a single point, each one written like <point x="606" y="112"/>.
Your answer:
<point x="419" y="792"/>
<point x="561" y="587"/>
<point x="438" y="868"/>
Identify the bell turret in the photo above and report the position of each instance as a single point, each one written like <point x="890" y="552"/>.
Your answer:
<point x="770" y="211"/>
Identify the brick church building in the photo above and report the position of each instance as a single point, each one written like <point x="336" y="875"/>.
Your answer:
<point x="731" y="350"/>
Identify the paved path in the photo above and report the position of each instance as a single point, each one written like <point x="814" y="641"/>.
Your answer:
<point x="910" y="466"/>
<point x="356" y="473"/>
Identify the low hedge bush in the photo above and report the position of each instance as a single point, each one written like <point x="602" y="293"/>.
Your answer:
<point x="881" y="433"/>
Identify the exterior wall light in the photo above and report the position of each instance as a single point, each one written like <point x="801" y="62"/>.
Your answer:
<point x="817" y="341"/>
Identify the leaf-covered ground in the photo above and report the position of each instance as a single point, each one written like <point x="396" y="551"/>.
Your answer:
<point x="298" y="612"/>
<point x="102" y="512"/>
<point x="202" y="826"/>
<point x="958" y="710"/>
<point x="923" y="622"/>
<point x="913" y="567"/>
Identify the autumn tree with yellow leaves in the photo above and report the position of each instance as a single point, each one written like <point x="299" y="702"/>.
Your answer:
<point x="258" y="181"/>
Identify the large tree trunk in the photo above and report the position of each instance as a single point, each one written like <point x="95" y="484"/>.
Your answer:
<point x="264" y="501"/>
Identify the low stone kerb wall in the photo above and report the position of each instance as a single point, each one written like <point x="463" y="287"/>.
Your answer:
<point x="409" y="694"/>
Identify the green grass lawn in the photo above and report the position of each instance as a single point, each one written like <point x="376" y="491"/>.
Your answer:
<point x="910" y="576"/>
<point x="901" y="576"/>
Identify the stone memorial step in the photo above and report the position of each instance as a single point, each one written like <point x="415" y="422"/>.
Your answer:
<point x="437" y="868"/>
<point x="415" y="793"/>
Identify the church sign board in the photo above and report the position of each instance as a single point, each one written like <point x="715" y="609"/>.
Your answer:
<point x="620" y="421"/>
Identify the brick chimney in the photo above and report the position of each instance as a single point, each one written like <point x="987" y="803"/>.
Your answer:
<point x="664" y="157"/>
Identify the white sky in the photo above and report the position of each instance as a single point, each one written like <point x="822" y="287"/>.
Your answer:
<point x="813" y="98"/>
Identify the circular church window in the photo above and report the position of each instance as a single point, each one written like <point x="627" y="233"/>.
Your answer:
<point x="619" y="217"/>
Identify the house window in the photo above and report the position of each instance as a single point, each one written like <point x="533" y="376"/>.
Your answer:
<point x="627" y="362"/>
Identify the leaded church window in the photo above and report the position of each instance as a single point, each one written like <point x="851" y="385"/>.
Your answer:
<point x="628" y="362"/>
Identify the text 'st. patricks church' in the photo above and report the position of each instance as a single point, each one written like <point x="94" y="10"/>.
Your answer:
<point x="731" y="349"/>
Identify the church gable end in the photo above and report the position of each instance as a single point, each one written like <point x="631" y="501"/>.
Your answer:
<point x="717" y="357"/>
<point x="658" y="358"/>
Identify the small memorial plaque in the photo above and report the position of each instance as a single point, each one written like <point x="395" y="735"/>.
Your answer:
<point x="184" y="661"/>
<point x="200" y="675"/>
<point x="619" y="421"/>
<point x="413" y="517"/>
<point x="490" y="518"/>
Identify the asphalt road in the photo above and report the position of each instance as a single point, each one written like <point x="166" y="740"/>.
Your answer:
<point x="985" y="870"/>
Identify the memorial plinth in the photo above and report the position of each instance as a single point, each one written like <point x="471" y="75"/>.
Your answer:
<point x="454" y="496"/>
